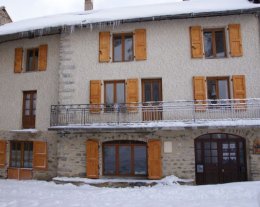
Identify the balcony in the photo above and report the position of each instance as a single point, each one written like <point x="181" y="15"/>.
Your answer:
<point x="176" y="114"/>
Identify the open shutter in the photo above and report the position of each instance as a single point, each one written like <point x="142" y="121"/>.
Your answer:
<point x="39" y="155"/>
<point x="132" y="94"/>
<point x="199" y="91"/>
<point x="196" y="42"/>
<point x="239" y="87"/>
<point x="42" y="61"/>
<point x="140" y="44"/>
<point x="104" y="46"/>
<point x="92" y="158"/>
<point x="95" y="96"/>
<point x="154" y="159"/>
<point x="2" y="153"/>
<point x="18" y="60"/>
<point x="235" y="40"/>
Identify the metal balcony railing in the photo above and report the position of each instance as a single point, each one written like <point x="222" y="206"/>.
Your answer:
<point x="182" y="111"/>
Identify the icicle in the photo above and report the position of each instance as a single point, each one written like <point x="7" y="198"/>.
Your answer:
<point x="91" y="27"/>
<point x="72" y="28"/>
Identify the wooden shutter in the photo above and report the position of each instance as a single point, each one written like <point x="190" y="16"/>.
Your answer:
<point x="40" y="155"/>
<point x="2" y="153"/>
<point x="92" y="159"/>
<point x="239" y="87"/>
<point x="104" y="46"/>
<point x="18" y="60"/>
<point x="235" y="40"/>
<point x="140" y="44"/>
<point x="199" y="91"/>
<point x="154" y="159"/>
<point x="196" y="42"/>
<point x="95" y="96"/>
<point x="42" y="60"/>
<point x="132" y="94"/>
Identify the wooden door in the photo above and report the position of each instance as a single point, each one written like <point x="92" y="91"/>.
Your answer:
<point x="151" y="98"/>
<point x="154" y="159"/>
<point x="92" y="159"/>
<point x="29" y="109"/>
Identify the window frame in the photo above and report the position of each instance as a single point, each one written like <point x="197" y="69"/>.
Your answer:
<point x="122" y="35"/>
<point x="217" y="78"/>
<point x="22" y="154"/>
<point x="214" y="48"/>
<point x="35" y="61"/>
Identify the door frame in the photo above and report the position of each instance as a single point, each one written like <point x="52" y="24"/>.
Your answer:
<point x="31" y="124"/>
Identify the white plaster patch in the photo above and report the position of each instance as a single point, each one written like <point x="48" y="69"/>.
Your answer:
<point x="167" y="147"/>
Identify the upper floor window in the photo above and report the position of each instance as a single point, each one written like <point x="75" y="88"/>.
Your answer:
<point x="214" y="43"/>
<point x="29" y="109"/>
<point x="32" y="59"/>
<point x="218" y="87"/>
<point x="123" y="47"/>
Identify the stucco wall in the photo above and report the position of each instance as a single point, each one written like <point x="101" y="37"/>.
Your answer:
<point x="13" y="85"/>
<point x="168" y="57"/>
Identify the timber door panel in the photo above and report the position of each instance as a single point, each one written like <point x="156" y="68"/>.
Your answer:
<point x="220" y="158"/>
<point x="151" y="95"/>
<point x="29" y="109"/>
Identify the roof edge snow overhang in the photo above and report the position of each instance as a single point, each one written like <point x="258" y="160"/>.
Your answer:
<point x="49" y="30"/>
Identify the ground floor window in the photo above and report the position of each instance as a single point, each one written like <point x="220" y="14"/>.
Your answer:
<point x="125" y="158"/>
<point x="21" y="154"/>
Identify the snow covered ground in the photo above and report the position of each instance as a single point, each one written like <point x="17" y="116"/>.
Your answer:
<point x="40" y="193"/>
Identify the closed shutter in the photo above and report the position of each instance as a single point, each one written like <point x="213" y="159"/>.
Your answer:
<point x="239" y="87"/>
<point x="42" y="61"/>
<point x="154" y="159"/>
<point x="235" y="40"/>
<point x="18" y="60"/>
<point x="196" y="42"/>
<point x="40" y="155"/>
<point x="104" y="46"/>
<point x="2" y="153"/>
<point x="199" y="91"/>
<point x="92" y="159"/>
<point x="95" y="96"/>
<point x="132" y="94"/>
<point x="140" y="44"/>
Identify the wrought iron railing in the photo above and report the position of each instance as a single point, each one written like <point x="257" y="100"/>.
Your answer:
<point x="184" y="111"/>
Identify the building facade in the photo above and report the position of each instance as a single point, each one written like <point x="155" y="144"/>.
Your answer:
<point x="140" y="99"/>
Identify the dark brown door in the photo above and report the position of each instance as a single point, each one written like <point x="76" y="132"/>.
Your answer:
<point x="220" y="158"/>
<point x="29" y="109"/>
<point x="151" y="98"/>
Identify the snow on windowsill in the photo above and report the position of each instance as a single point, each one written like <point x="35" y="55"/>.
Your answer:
<point x="25" y="131"/>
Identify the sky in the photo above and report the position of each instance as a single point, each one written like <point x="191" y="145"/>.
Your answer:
<point x="25" y="9"/>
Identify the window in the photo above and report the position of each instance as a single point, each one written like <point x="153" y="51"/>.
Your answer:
<point x="29" y="109"/>
<point x="32" y="59"/>
<point x="123" y="47"/>
<point x="218" y="87"/>
<point x="214" y="43"/>
<point x="114" y="94"/>
<point x="21" y="154"/>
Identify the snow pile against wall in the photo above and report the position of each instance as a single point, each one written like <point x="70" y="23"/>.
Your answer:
<point x="126" y="13"/>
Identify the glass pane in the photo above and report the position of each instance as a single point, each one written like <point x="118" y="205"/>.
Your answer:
<point x="214" y="153"/>
<point x="213" y="145"/>
<point x="117" y="49"/>
<point x="220" y="50"/>
<point x="207" y="145"/>
<point x="198" y="145"/>
<point x="214" y="160"/>
<point x="30" y="60"/>
<point x="128" y="48"/>
<point x="156" y="92"/>
<point x="198" y="154"/>
<point x="27" y="112"/>
<point x="109" y="160"/>
<point x="212" y="90"/>
<point x="223" y="89"/>
<point x="140" y="165"/>
<point x="147" y="91"/>
<point x="124" y="160"/>
<point x="109" y="93"/>
<point x="208" y="44"/>
<point x="207" y="153"/>
<point x="27" y="104"/>
<point x="207" y="160"/>
<point x="120" y="92"/>
<point x="218" y="136"/>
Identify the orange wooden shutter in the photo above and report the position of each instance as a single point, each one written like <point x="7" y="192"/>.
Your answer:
<point x="42" y="61"/>
<point x="18" y="60"/>
<point x="235" y="40"/>
<point x="239" y="87"/>
<point x="154" y="159"/>
<point x="196" y="42"/>
<point x="2" y="153"/>
<point x="199" y="91"/>
<point x="39" y="155"/>
<point x="95" y="95"/>
<point x="92" y="159"/>
<point x="104" y="46"/>
<point x="132" y="94"/>
<point x="140" y="44"/>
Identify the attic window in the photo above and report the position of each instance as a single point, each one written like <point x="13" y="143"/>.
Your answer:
<point x="32" y="59"/>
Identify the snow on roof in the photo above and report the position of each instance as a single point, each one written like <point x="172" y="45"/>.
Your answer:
<point x="127" y="13"/>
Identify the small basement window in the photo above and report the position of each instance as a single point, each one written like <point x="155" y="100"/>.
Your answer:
<point x="21" y="155"/>
<point x="32" y="59"/>
<point x="123" y="47"/>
